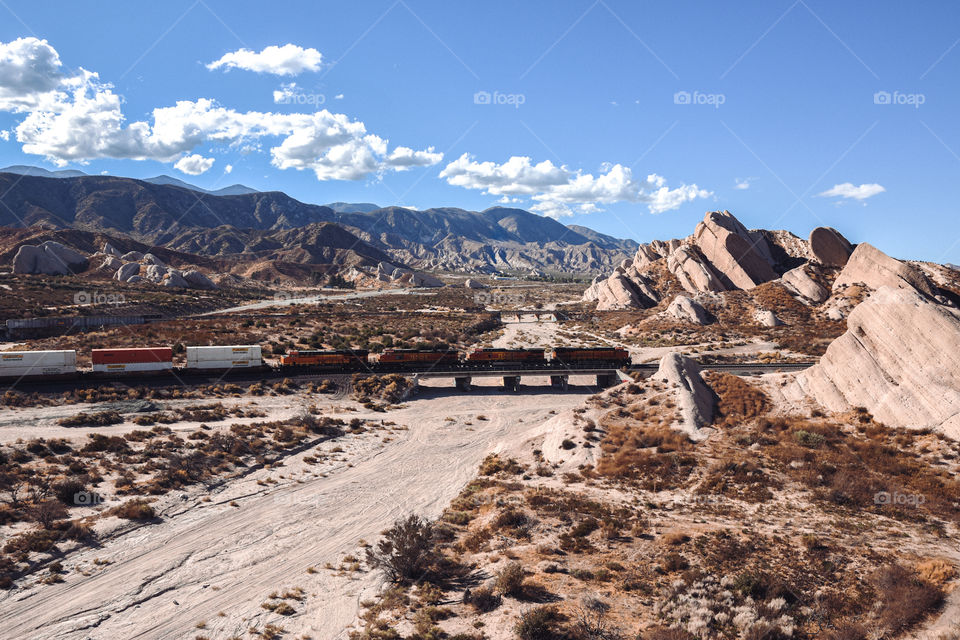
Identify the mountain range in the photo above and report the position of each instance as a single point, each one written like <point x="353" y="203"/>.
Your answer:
<point x="166" y="212"/>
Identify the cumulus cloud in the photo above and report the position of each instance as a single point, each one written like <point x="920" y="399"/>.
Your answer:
<point x="288" y="60"/>
<point x="82" y="119"/>
<point x="228" y="168"/>
<point x="849" y="190"/>
<point x="4" y="135"/>
<point x="559" y="192"/>
<point x="194" y="164"/>
<point x="30" y="72"/>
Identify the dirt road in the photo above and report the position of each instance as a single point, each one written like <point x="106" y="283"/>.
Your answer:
<point x="204" y="559"/>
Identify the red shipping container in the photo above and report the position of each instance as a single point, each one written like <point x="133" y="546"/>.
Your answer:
<point x="132" y="356"/>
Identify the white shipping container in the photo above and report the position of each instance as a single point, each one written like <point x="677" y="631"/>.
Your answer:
<point x="37" y="363"/>
<point x="224" y="357"/>
<point x="133" y="366"/>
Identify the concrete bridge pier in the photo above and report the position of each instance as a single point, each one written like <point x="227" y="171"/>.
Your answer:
<point x="605" y="380"/>
<point x="463" y="383"/>
<point x="511" y="383"/>
<point x="560" y="382"/>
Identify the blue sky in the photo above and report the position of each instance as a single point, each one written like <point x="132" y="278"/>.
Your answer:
<point x="635" y="117"/>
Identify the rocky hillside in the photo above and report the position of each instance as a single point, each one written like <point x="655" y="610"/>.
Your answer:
<point x="182" y="218"/>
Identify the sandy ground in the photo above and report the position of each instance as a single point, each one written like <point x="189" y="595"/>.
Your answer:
<point x="204" y="558"/>
<point x="285" y="300"/>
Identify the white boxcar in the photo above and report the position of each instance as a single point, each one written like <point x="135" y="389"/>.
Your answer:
<point x="37" y="363"/>
<point x="229" y="357"/>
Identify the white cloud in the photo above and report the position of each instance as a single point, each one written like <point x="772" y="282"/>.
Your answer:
<point x="288" y="60"/>
<point x="82" y="119"/>
<point x="30" y="72"/>
<point x="339" y="96"/>
<point x="742" y="183"/>
<point x="4" y="135"/>
<point x="194" y="164"/>
<point x="849" y="190"/>
<point x="560" y="192"/>
<point x="228" y="168"/>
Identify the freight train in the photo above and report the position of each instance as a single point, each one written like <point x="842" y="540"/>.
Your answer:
<point x="60" y="365"/>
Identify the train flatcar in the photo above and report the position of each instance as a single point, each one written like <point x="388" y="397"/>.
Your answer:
<point x="598" y="355"/>
<point x="132" y="360"/>
<point x="506" y="356"/>
<point x="345" y="359"/>
<point x="416" y="358"/>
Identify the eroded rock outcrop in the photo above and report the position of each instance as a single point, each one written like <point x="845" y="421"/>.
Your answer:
<point x="799" y="282"/>
<point x="693" y="271"/>
<point x="870" y="266"/>
<point x="897" y="359"/>
<point x="695" y="399"/>
<point x="685" y="309"/>
<point x="829" y="246"/>
<point x="50" y="258"/>
<point x="741" y="257"/>
<point x="620" y="292"/>
<point x="767" y="318"/>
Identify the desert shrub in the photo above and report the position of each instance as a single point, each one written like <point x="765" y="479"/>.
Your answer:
<point x="510" y="580"/>
<point x="407" y="551"/>
<point x="482" y="599"/>
<point x="136" y="509"/>
<point x="47" y="513"/>
<point x="494" y="464"/>
<point x="905" y="599"/>
<point x="65" y="490"/>
<point x="737" y="400"/>
<point x="100" y="419"/>
<point x="538" y="623"/>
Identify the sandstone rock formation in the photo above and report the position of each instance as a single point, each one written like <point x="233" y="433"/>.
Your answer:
<point x="132" y="256"/>
<point x="829" y="246"/>
<point x="742" y="258"/>
<point x="50" y="258"/>
<point x="620" y="292"/>
<point x="110" y="250"/>
<point x="767" y="318"/>
<point x="872" y="267"/>
<point x="799" y="281"/>
<point x="897" y="359"/>
<point x="474" y="284"/>
<point x="694" y="397"/>
<point x="693" y="271"/>
<point x="197" y="280"/>
<point x="127" y="271"/>
<point x="686" y="310"/>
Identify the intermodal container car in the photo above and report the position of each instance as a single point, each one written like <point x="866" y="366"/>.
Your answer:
<point x="228" y="357"/>
<point x="329" y="359"/>
<point x="140" y="359"/>
<point x="17" y="364"/>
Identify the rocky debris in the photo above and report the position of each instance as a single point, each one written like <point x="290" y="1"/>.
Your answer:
<point x="695" y="399"/>
<point x="875" y="269"/>
<point x="743" y="258"/>
<point x="620" y="292"/>
<point x="693" y="271"/>
<point x="50" y="258"/>
<point x="149" y="258"/>
<point x="686" y="310"/>
<point x="110" y="250"/>
<point x="767" y="318"/>
<point x="829" y="247"/>
<point x="474" y="284"/>
<point x="837" y="308"/>
<point x="897" y="359"/>
<point x="197" y="280"/>
<point x="128" y="271"/>
<point x="799" y="282"/>
<point x="132" y="256"/>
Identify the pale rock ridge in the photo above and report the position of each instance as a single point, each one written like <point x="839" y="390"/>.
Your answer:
<point x="474" y="284"/>
<point x="620" y="292"/>
<point x="50" y="258"/>
<point x="743" y="258"/>
<point x="693" y="271"/>
<point x="695" y="399"/>
<point x="686" y="310"/>
<point x="799" y="282"/>
<point x="829" y="246"/>
<point x="897" y="359"/>
<point x="870" y="266"/>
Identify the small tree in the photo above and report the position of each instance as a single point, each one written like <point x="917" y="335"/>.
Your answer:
<point x="48" y="512"/>
<point x="407" y="551"/>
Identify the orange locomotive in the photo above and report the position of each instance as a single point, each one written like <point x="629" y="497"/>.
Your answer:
<point x="500" y="356"/>
<point x="571" y="355"/>
<point x="343" y="359"/>
<point x="418" y="357"/>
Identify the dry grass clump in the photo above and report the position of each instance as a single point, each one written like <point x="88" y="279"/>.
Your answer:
<point x="738" y="401"/>
<point x="391" y="388"/>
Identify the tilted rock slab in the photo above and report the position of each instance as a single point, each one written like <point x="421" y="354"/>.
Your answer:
<point x="800" y="282"/>
<point x="898" y="359"/>
<point x="829" y="246"/>
<point x="872" y="267"/>
<point x="695" y="398"/>
<point x="693" y="271"/>
<point x="50" y="258"/>
<point x="742" y="258"/>
<point x="686" y="310"/>
<point x="620" y="292"/>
